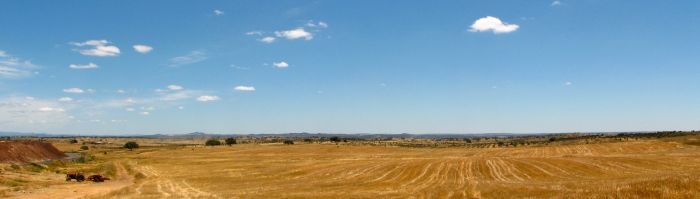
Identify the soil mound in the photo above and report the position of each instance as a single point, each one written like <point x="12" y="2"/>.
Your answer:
<point x="28" y="151"/>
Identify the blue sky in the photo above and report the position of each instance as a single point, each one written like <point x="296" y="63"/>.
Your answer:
<point x="134" y="67"/>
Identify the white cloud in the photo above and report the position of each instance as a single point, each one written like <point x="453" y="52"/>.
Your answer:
<point x="320" y="24"/>
<point x="73" y="90"/>
<point x="297" y="33"/>
<point x="193" y="57"/>
<point x="50" y="109"/>
<point x="218" y="12"/>
<point x="555" y="3"/>
<point x="207" y="98"/>
<point x="254" y="33"/>
<point x="20" y="114"/>
<point x="65" y="99"/>
<point x="175" y="87"/>
<point x="143" y="49"/>
<point x="145" y="113"/>
<point x="120" y="91"/>
<point x="244" y="88"/>
<point x="567" y="83"/>
<point x="281" y="64"/>
<point x="180" y="107"/>
<point x="267" y="40"/>
<point x="130" y="109"/>
<point x="100" y="48"/>
<point x="84" y="66"/>
<point x="12" y="67"/>
<point x="493" y="24"/>
<point x="179" y="95"/>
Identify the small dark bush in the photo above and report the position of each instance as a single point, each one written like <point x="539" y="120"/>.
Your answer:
<point x="230" y="141"/>
<point x="84" y="147"/>
<point x="131" y="145"/>
<point x="73" y="141"/>
<point x="288" y="142"/>
<point x="212" y="142"/>
<point x="335" y="139"/>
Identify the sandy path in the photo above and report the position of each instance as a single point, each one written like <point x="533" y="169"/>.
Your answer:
<point x="82" y="190"/>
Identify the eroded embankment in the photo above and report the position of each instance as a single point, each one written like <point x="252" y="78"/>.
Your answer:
<point x="28" y="151"/>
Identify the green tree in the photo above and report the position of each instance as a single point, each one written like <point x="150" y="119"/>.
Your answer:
<point x="212" y="142"/>
<point x="131" y="145"/>
<point x="84" y="147"/>
<point x="230" y="141"/>
<point x="289" y="142"/>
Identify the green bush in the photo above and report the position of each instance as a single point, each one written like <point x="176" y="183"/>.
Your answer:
<point x="230" y="141"/>
<point x="131" y="145"/>
<point x="84" y="147"/>
<point x="212" y="142"/>
<point x="289" y="142"/>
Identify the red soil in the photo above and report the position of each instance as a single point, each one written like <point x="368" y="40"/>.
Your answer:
<point x="28" y="151"/>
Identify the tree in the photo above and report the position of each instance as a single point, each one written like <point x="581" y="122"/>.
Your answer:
<point x="467" y="140"/>
<point x="212" y="142"/>
<point x="335" y="139"/>
<point x="73" y="141"/>
<point x="552" y="139"/>
<point x="230" y="141"/>
<point x="131" y="145"/>
<point x="288" y="142"/>
<point x="84" y="147"/>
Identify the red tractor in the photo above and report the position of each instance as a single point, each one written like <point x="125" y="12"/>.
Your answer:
<point x="77" y="176"/>
<point x="97" y="178"/>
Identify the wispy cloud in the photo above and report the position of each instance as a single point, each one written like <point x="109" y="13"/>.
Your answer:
<point x="20" y="113"/>
<point x="320" y="24"/>
<point x="297" y="33"/>
<point x="281" y="64"/>
<point x="191" y="58"/>
<point x="493" y="24"/>
<point x="267" y="39"/>
<point x="218" y="12"/>
<point x="99" y="48"/>
<point x="12" y="67"/>
<point x="73" y="90"/>
<point x="84" y="66"/>
<point x="143" y="49"/>
<point x="65" y="99"/>
<point x="555" y="3"/>
<point x="256" y="32"/>
<point x="244" y="88"/>
<point x="208" y="98"/>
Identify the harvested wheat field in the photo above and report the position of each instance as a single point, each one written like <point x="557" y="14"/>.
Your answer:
<point x="619" y="170"/>
<point x="653" y="168"/>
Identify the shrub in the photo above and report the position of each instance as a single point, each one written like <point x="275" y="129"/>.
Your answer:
<point x="552" y="139"/>
<point x="335" y="139"/>
<point x="84" y="147"/>
<point x="212" y="142"/>
<point x="131" y="145"/>
<point x="73" y="141"/>
<point x="288" y="142"/>
<point x="230" y="141"/>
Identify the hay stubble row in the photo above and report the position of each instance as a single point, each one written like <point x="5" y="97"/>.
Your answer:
<point x="626" y="169"/>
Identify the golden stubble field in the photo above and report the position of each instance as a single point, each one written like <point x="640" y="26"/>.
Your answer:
<point x="633" y="169"/>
